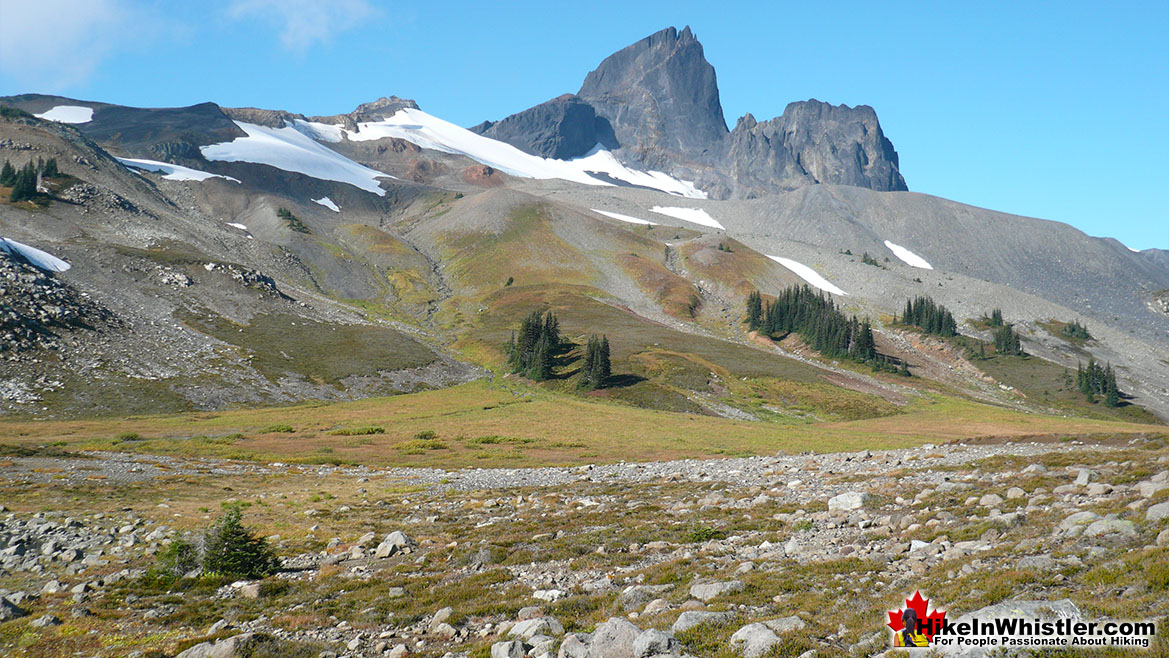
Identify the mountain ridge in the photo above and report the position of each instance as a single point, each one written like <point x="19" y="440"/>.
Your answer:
<point x="659" y="97"/>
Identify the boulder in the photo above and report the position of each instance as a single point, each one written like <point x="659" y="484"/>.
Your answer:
<point x="508" y="649"/>
<point x="575" y="645"/>
<point x="613" y="639"/>
<point x="707" y="591"/>
<point x="848" y="501"/>
<point x="1148" y="488"/>
<point x="1111" y="527"/>
<point x="635" y="596"/>
<point x="530" y="628"/>
<point x="9" y="610"/>
<point x="1157" y="512"/>
<point x="785" y="624"/>
<point x="654" y="643"/>
<point x="692" y="618"/>
<point x="233" y="647"/>
<point x="990" y="500"/>
<point x="754" y="640"/>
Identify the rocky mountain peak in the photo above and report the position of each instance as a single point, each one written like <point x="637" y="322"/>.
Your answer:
<point x="661" y="97"/>
<point x="563" y="128"/>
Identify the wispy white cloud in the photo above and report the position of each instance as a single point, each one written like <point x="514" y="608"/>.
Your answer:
<point x="304" y="23"/>
<point x="51" y="45"/>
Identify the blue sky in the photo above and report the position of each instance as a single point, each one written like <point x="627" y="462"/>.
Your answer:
<point x="1053" y="110"/>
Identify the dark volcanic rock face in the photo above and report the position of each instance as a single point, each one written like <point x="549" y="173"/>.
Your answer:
<point x="812" y="142"/>
<point x="661" y="97"/>
<point x="656" y="103"/>
<point x="562" y="128"/>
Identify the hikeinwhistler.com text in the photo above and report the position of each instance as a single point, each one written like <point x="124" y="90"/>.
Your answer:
<point x="1018" y="632"/>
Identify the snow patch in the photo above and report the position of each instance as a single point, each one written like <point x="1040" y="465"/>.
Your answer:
<point x="428" y="132"/>
<point x="601" y="160"/>
<point x="1135" y="251"/>
<point x="908" y="257"/>
<point x="693" y="215"/>
<point x="328" y="203"/>
<point x="68" y="114"/>
<point x="624" y="218"/>
<point x="239" y="226"/>
<point x="38" y="258"/>
<point x="171" y="171"/>
<point x="291" y="149"/>
<point x="808" y="274"/>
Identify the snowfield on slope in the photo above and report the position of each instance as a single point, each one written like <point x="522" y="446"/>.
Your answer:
<point x="692" y="215"/>
<point x="808" y="274"/>
<point x="908" y="257"/>
<point x="292" y="150"/>
<point x="328" y="203"/>
<point x="171" y="171"/>
<point x="624" y="218"/>
<point x="38" y="258"/>
<point x="68" y="114"/>
<point x="429" y="132"/>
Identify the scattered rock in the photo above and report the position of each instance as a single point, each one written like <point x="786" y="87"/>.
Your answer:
<point x="707" y="591"/>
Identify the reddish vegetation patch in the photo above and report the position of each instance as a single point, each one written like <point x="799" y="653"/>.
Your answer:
<point x="483" y="176"/>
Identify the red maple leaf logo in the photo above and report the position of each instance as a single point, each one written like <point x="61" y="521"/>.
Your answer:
<point x="931" y="622"/>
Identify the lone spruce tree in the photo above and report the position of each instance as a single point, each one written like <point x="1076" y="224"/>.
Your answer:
<point x="232" y="550"/>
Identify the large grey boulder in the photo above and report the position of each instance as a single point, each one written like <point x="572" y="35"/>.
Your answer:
<point x="1111" y="527"/>
<point x="575" y="645"/>
<point x="1157" y="512"/>
<point x="530" y="628"/>
<point x="508" y="649"/>
<point x="692" y="618"/>
<point x="232" y="647"/>
<point x="635" y="596"/>
<point x="785" y="624"/>
<point x="395" y="542"/>
<point x="10" y="611"/>
<point x="708" y="591"/>
<point x="613" y="639"/>
<point x="653" y="642"/>
<point x="848" y="501"/>
<point x="754" y="640"/>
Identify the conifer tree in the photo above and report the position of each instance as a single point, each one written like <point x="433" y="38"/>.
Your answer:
<point x="1111" y="392"/>
<point x="754" y="310"/>
<point x="604" y="366"/>
<point x="50" y="169"/>
<point x="24" y="188"/>
<point x="7" y="174"/>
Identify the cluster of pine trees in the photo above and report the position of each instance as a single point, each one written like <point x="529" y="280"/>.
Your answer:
<point x="995" y="319"/>
<point x="24" y="181"/>
<point x="531" y="352"/>
<point x="292" y="220"/>
<point x="1076" y="330"/>
<point x="1094" y="380"/>
<point x="869" y="260"/>
<point x="1006" y="341"/>
<point x="816" y="319"/>
<point x="597" y="367"/>
<point x="930" y="316"/>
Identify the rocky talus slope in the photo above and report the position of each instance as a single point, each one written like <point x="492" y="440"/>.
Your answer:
<point x="765" y="556"/>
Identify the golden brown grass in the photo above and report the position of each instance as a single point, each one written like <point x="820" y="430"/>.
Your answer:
<point x="531" y="427"/>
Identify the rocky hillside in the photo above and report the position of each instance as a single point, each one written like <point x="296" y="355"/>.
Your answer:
<point x="226" y="243"/>
<point x="725" y="558"/>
